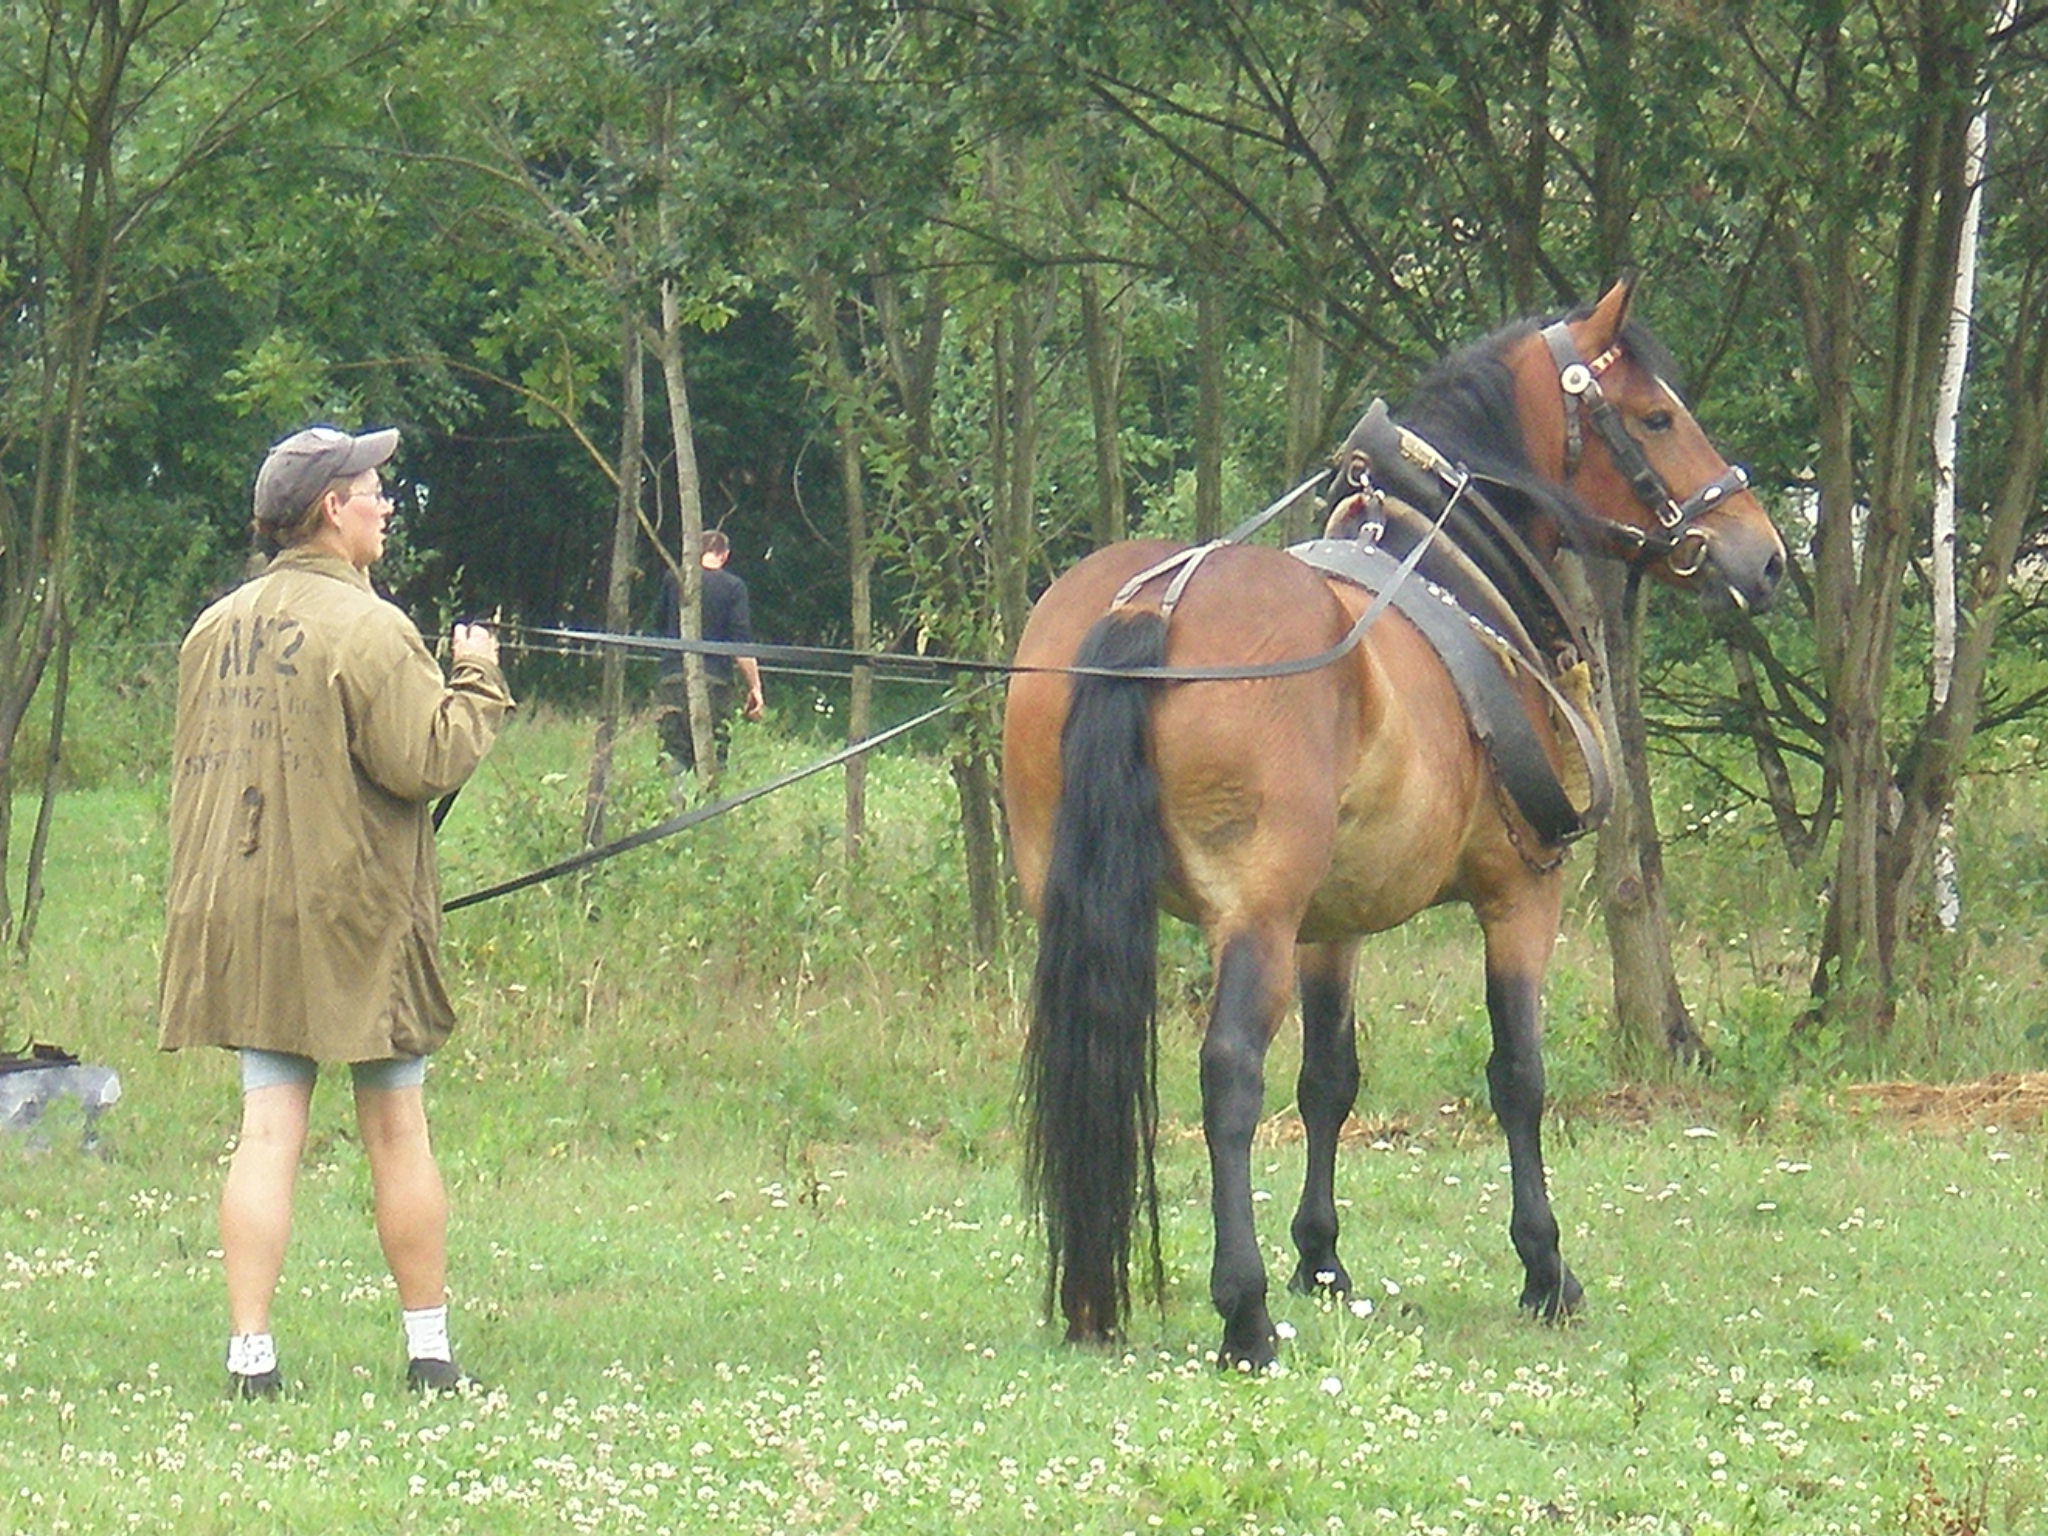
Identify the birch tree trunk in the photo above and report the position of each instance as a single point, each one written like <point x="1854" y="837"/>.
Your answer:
<point x="1866" y="527"/>
<point x="1948" y="406"/>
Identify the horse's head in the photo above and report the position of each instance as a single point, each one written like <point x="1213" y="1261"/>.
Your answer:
<point x="1622" y="440"/>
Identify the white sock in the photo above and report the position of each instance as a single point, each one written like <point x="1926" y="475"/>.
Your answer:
<point x="426" y="1333"/>
<point x="251" y="1354"/>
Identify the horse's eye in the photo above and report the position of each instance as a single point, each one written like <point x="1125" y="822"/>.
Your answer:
<point x="1657" y="421"/>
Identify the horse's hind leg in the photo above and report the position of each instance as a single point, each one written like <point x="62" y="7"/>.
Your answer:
<point x="1325" y="1092"/>
<point x="1252" y="973"/>
<point x="1517" y="949"/>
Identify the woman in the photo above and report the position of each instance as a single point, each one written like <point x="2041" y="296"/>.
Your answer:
<point x="313" y="732"/>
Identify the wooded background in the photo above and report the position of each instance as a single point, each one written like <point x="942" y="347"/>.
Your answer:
<point x="919" y="302"/>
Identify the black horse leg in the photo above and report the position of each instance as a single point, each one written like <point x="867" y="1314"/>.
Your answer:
<point x="1514" y="1075"/>
<point x="1248" y="997"/>
<point x="1325" y="1092"/>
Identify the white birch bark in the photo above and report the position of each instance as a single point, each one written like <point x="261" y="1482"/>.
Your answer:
<point x="1948" y="409"/>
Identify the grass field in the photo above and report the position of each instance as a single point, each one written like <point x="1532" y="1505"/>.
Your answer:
<point x="738" y="1240"/>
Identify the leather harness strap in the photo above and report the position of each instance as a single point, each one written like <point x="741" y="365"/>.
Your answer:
<point x="1492" y="704"/>
<point x="1382" y="458"/>
<point x="1180" y="565"/>
<point x="1580" y="381"/>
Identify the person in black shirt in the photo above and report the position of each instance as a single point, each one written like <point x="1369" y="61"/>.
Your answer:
<point x="726" y="618"/>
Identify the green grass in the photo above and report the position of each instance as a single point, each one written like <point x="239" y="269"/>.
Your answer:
<point x="1798" y="1340"/>
<point x="738" y="1242"/>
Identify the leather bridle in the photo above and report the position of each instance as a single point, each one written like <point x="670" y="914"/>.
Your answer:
<point x="1680" y="542"/>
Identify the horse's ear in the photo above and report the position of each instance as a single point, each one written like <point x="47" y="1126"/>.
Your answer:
<point x="1604" y="324"/>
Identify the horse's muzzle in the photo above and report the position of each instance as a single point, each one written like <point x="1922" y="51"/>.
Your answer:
<point x="1731" y="562"/>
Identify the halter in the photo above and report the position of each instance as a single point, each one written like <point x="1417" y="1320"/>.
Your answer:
<point x="1580" y="381"/>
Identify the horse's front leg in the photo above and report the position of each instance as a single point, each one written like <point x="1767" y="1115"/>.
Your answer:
<point x="1251" y="992"/>
<point x="1518" y="947"/>
<point x="1324" y="1092"/>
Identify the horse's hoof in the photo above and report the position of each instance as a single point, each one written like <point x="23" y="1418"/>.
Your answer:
<point x="1254" y="1361"/>
<point x="1553" y="1304"/>
<point x="1250" y="1344"/>
<point x="1329" y="1279"/>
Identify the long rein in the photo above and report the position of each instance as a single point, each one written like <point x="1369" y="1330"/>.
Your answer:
<point x="1580" y="384"/>
<point x="929" y="668"/>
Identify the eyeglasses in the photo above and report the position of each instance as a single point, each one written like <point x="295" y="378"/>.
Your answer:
<point x="379" y="495"/>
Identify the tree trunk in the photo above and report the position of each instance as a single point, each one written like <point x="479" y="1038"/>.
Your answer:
<point x="1652" y="1023"/>
<point x="822" y="318"/>
<point x="690" y="510"/>
<point x="1612" y="83"/>
<point x="1103" y="351"/>
<point x="38" y="557"/>
<point x="668" y="350"/>
<point x="1032" y="309"/>
<point x="1866" y="527"/>
<point x="619" y="581"/>
<point x="1310" y="437"/>
<point x="1208" y="408"/>
<point x="1955" y="367"/>
<point x="975" y="785"/>
<point x="53" y="764"/>
<point x="1307" y="432"/>
<point x="1935" y="758"/>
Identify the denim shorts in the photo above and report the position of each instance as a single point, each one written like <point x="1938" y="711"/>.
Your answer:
<point x="272" y="1069"/>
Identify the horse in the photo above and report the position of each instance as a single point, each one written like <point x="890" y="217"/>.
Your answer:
<point x="1291" y="771"/>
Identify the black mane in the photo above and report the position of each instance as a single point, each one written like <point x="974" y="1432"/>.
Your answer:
<point x="1465" y="407"/>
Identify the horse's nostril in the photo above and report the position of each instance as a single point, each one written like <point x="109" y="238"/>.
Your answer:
<point x="1774" y="569"/>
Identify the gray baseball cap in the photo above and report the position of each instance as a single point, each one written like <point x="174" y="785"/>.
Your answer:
<point x="303" y="465"/>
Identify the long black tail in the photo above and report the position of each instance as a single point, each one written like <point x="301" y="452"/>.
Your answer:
<point x="1089" y="1062"/>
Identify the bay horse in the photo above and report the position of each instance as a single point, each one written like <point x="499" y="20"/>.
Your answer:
<point x="1287" y="816"/>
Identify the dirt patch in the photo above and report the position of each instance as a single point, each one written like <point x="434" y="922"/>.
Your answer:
<point x="2017" y="1099"/>
<point x="2013" y="1100"/>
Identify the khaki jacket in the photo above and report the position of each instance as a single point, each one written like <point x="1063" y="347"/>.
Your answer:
<point x="313" y="732"/>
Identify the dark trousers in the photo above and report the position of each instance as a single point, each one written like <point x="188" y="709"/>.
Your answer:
<point x="672" y="719"/>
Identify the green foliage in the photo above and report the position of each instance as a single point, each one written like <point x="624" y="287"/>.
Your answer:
<point x="283" y="377"/>
<point x="1766" y="1045"/>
